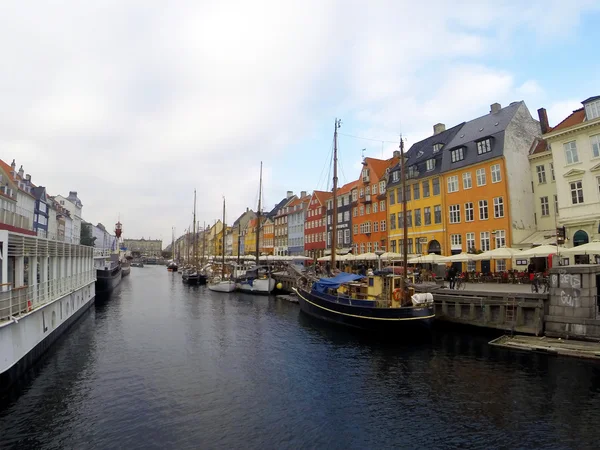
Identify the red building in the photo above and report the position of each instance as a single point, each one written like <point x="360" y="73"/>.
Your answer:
<point x="315" y="224"/>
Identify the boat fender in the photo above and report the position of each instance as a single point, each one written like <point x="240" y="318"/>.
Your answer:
<point x="397" y="294"/>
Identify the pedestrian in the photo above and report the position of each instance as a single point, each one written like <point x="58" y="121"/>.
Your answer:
<point x="328" y="268"/>
<point x="452" y="276"/>
<point x="531" y="271"/>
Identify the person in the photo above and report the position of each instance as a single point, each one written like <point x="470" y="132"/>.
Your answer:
<point x="531" y="271"/>
<point x="328" y="269"/>
<point x="452" y="276"/>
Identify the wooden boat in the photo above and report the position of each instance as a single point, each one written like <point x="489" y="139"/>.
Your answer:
<point x="222" y="283"/>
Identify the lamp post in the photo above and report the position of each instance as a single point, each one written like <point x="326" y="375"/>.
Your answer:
<point x="379" y="253"/>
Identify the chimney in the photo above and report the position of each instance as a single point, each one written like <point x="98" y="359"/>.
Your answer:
<point x="28" y="178"/>
<point x="21" y="172"/>
<point x="72" y="193"/>
<point x="13" y="165"/>
<point x="396" y="154"/>
<point x="247" y="209"/>
<point x="290" y="194"/>
<point x="302" y="194"/>
<point x="438" y="128"/>
<point x="494" y="108"/>
<point x="543" y="115"/>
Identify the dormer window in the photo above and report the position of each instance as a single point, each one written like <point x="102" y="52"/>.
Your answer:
<point x="458" y="154"/>
<point x="430" y="164"/>
<point x="412" y="171"/>
<point x="592" y="110"/>
<point x="395" y="176"/>
<point x="419" y="154"/>
<point x="437" y="147"/>
<point x="484" y="146"/>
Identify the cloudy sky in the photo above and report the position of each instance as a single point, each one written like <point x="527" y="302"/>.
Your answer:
<point x="134" y="103"/>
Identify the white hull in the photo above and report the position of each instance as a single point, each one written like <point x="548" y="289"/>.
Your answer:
<point x="260" y="286"/>
<point x="222" y="286"/>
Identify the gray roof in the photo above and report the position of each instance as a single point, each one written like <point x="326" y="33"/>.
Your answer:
<point x="38" y="192"/>
<point x="422" y="151"/>
<point x="491" y="125"/>
<point x="591" y="99"/>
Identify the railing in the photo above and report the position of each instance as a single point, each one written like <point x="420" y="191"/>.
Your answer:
<point x="102" y="252"/>
<point x="18" y="301"/>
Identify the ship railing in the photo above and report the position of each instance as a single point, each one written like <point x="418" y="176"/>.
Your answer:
<point x="15" y="302"/>
<point x="102" y="252"/>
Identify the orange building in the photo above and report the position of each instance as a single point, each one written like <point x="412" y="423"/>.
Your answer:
<point x="369" y="204"/>
<point x="267" y="236"/>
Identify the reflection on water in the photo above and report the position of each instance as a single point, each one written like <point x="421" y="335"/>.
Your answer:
<point x="165" y="365"/>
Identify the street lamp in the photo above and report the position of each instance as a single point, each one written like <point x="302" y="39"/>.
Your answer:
<point x="379" y="253"/>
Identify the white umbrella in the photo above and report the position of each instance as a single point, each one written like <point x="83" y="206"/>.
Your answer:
<point x="389" y="256"/>
<point x="432" y="258"/>
<point x="591" y="248"/>
<point x="366" y="257"/>
<point x="301" y="258"/>
<point x="460" y="257"/>
<point x="498" y="253"/>
<point x="541" y="251"/>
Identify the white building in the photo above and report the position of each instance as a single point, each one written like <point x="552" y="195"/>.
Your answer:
<point x="74" y="206"/>
<point x="575" y="147"/>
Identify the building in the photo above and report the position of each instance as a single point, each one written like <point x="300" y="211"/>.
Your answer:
<point x="144" y="247"/>
<point x="315" y="225"/>
<point x="344" y="218"/>
<point x="369" y="226"/>
<point x="296" y="218"/>
<point x="575" y="147"/>
<point x="40" y="217"/>
<point x="229" y="241"/>
<point x="74" y="206"/>
<point x="18" y="202"/>
<point x="237" y="227"/>
<point x="543" y="184"/>
<point x="214" y="244"/>
<point x="267" y="236"/>
<point x="250" y="237"/>
<point x="485" y="210"/>
<point x="280" y="220"/>
<point x="106" y="241"/>
<point x="425" y="218"/>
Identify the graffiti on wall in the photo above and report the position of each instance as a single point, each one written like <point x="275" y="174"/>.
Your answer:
<point x="570" y="287"/>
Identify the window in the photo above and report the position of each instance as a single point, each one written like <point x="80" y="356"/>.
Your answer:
<point x="427" y="215"/>
<point x="368" y="210"/>
<point x="368" y="247"/>
<point x="395" y="176"/>
<point x="453" y="184"/>
<point x="418" y="246"/>
<point x="484" y="238"/>
<point x="328" y="220"/>
<point x="571" y="152"/>
<point x="595" y="141"/>
<point x="329" y="238"/>
<point x="375" y="227"/>
<point x="481" y="177"/>
<point x="354" y="212"/>
<point x="430" y="164"/>
<point x="437" y="147"/>
<point x="368" y="190"/>
<point x="470" y="241"/>
<point x="382" y="205"/>
<point x="354" y="195"/>
<point x="541" y="173"/>
<point x="483" y="209"/>
<point x="346" y="216"/>
<point x="361" y="193"/>
<point x="555" y="204"/>
<point x="467" y="182"/>
<point x="367" y="227"/>
<point x="375" y="207"/>
<point x="469" y="212"/>
<point x="545" y="206"/>
<point x="592" y="110"/>
<point x="393" y="244"/>
<point x="425" y="189"/>
<point x="437" y="213"/>
<point x="393" y="221"/>
<point x="484" y="146"/>
<point x="498" y="207"/>
<point x="408" y="195"/>
<point x="374" y="189"/>
<point x="409" y="246"/>
<point x="576" y="192"/>
<point x="355" y="229"/>
<point x="340" y="216"/>
<point x="416" y="191"/>
<point x="409" y="218"/>
<point x="382" y="225"/>
<point x="500" y="238"/>
<point x="495" y="171"/>
<point x="362" y="210"/>
<point x="381" y="187"/>
<point x="456" y="241"/>
<point x="436" y="186"/>
<point x="457" y="154"/>
<point x="417" y="217"/>
<point x="362" y="248"/>
<point x="454" y="213"/>
<point x="500" y="265"/>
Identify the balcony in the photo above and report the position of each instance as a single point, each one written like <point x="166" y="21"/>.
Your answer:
<point x="367" y="198"/>
<point x="14" y="219"/>
<point x="366" y="179"/>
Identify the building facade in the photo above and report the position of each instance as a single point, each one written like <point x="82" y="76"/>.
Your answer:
<point x="315" y="228"/>
<point x="267" y="235"/>
<point x="296" y="218"/>
<point x="144" y="247"/>
<point x="281" y="225"/>
<point x="14" y="215"/>
<point x="74" y="206"/>
<point x="40" y="218"/>
<point x="236" y="232"/>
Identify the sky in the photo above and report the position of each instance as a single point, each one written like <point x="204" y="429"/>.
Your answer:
<point x="134" y="104"/>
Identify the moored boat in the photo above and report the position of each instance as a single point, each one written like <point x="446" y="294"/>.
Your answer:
<point x="172" y="266"/>
<point x="108" y="273"/>
<point x="257" y="280"/>
<point x="221" y="285"/>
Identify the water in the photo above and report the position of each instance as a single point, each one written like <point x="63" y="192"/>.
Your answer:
<point x="164" y="365"/>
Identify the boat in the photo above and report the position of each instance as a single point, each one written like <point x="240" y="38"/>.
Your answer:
<point x="258" y="279"/>
<point x="380" y="301"/>
<point x="125" y="268"/>
<point x="191" y="275"/>
<point x="222" y="283"/>
<point x="137" y="264"/>
<point x="108" y="267"/>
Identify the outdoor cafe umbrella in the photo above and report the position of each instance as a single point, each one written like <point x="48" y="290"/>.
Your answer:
<point x="366" y="257"/>
<point x="498" y="253"/>
<point x="591" y="248"/>
<point x="460" y="257"/>
<point x="432" y="258"/>
<point x="389" y="256"/>
<point x="541" y="251"/>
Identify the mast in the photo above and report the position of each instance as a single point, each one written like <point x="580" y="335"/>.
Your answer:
<point x="337" y="124"/>
<point x="239" y="240"/>
<point x="223" y="239"/>
<point x="404" y="223"/>
<point x="173" y="243"/>
<point x="258" y="217"/>
<point x="194" y="237"/>
<point x="203" y="241"/>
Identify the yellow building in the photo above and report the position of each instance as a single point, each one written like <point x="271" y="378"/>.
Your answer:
<point x="250" y="237"/>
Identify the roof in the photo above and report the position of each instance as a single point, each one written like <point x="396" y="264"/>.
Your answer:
<point x="346" y="188"/>
<point x="379" y="166"/>
<point x="8" y="170"/>
<point x="278" y="206"/>
<point x="591" y="99"/>
<point x="576" y="117"/>
<point x="322" y="196"/>
<point x="424" y="148"/>
<point x="38" y="192"/>
<point x="539" y="146"/>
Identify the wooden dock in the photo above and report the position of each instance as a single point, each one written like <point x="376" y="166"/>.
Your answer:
<point x="554" y="346"/>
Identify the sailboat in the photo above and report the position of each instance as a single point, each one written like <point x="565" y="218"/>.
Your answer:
<point x="380" y="302"/>
<point x="222" y="283"/>
<point x="257" y="280"/>
<point x="192" y="275"/>
<point x="172" y="265"/>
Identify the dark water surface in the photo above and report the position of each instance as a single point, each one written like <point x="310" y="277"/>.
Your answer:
<point x="164" y="365"/>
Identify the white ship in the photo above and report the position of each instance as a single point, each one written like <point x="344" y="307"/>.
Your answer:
<point x="45" y="286"/>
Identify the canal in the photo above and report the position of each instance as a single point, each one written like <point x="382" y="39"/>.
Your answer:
<point x="164" y="365"/>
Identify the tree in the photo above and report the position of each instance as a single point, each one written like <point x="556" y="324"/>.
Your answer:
<point x="86" y="237"/>
<point x="167" y="254"/>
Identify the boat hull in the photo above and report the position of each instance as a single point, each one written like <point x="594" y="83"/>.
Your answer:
<point x="107" y="280"/>
<point x="222" y="286"/>
<point x="398" y="320"/>
<point x="125" y="270"/>
<point x="262" y="286"/>
<point x="194" y="279"/>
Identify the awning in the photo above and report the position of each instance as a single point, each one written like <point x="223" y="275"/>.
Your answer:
<point x="544" y="237"/>
<point x="333" y="283"/>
